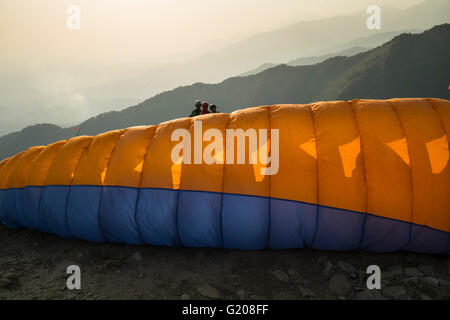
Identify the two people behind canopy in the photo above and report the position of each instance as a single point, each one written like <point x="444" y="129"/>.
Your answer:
<point x="202" y="108"/>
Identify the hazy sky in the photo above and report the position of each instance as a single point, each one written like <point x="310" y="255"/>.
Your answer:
<point x="149" y="31"/>
<point x="44" y="65"/>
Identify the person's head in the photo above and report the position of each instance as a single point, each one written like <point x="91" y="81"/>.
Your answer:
<point x="198" y="104"/>
<point x="213" y="107"/>
<point x="205" y="105"/>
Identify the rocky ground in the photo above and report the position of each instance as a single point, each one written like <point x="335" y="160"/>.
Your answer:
<point x="33" y="266"/>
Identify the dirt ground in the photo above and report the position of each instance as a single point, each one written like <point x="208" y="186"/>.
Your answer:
<point x="33" y="266"/>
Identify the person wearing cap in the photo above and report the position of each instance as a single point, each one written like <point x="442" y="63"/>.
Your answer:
<point x="213" y="108"/>
<point x="205" y="106"/>
<point x="197" y="111"/>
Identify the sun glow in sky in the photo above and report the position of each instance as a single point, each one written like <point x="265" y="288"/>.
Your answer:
<point x="148" y="31"/>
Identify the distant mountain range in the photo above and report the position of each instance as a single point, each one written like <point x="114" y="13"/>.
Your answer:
<point x="302" y="39"/>
<point x="344" y="53"/>
<point x="346" y="49"/>
<point x="410" y="65"/>
<point x="308" y="60"/>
